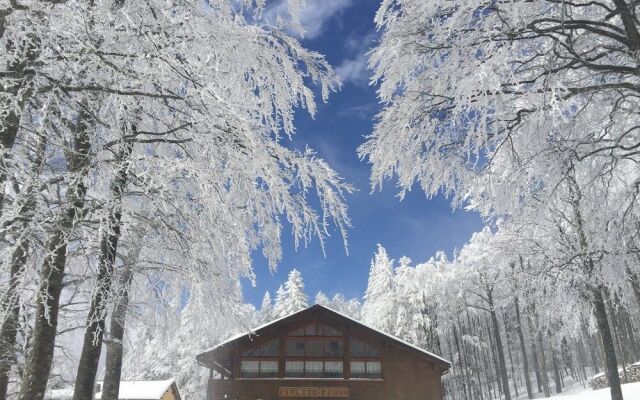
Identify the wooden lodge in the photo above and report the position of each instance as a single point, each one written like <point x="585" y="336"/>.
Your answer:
<point x="320" y="353"/>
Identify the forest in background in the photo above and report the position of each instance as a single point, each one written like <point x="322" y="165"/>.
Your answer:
<point x="472" y="310"/>
<point x="144" y="159"/>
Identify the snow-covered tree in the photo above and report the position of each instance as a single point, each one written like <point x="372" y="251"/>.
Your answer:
<point x="516" y="109"/>
<point x="265" y="313"/>
<point x="291" y="298"/>
<point x="118" y="98"/>
<point x="350" y="308"/>
<point x="378" y="308"/>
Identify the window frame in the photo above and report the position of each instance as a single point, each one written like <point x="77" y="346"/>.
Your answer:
<point x="304" y="362"/>
<point x="366" y="359"/>
<point x="368" y="354"/>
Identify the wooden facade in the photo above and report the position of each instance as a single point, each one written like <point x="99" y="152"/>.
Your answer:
<point x="319" y="353"/>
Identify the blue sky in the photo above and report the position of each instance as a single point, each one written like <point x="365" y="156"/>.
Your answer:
<point x="416" y="227"/>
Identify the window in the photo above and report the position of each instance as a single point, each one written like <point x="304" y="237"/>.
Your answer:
<point x="269" y="369"/>
<point x="333" y="348"/>
<point x="313" y="347"/>
<point x="315" y="329"/>
<point x="361" y="349"/>
<point x="259" y="369"/>
<point x="294" y="369"/>
<point x="250" y="369"/>
<point x="333" y="369"/>
<point x="366" y="369"/>
<point x="269" y="349"/>
<point x="313" y="369"/>
<point x="294" y="348"/>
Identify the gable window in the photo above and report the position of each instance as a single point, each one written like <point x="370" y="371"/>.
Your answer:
<point x="365" y="360"/>
<point x="366" y="369"/>
<point x="313" y="347"/>
<point x="313" y="369"/>
<point x="315" y="329"/>
<point x="259" y="369"/>
<point x="269" y="349"/>
<point x="361" y="349"/>
<point x="261" y="361"/>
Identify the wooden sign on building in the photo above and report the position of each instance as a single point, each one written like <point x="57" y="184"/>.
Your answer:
<point x="318" y="353"/>
<point x="313" y="392"/>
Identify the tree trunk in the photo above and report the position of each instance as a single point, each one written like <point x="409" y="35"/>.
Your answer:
<point x="10" y="301"/>
<point x="20" y="88"/>
<point x="611" y="362"/>
<point x="496" y="333"/>
<point x="523" y="348"/>
<point x="556" y="371"/>
<point x="38" y="363"/>
<point x="591" y="348"/>
<point x="536" y="363"/>
<point x="513" y="371"/>
<point x="461" y="362"/>
<point x="543" y="366"/>
<point x="110" y="234"/>
<point x="113" y="368"/>
<point x="634" y="281"/>
<point x="598" y="299"/>
<point x="496" y="364"/>
<point x="542" y="358"/>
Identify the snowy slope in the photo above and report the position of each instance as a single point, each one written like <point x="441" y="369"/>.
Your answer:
<point x="630" y="391"/>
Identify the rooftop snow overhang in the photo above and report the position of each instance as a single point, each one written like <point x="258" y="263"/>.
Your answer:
<point x="216" y="356"/>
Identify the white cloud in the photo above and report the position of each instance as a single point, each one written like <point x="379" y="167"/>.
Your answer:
<point x="354" y="69"/>
<point x="314" y="16"/>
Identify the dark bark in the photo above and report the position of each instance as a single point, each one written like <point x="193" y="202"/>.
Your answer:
<point x="589" y="266"/>
<point x="499" y="348"/>
<point x="10" y="300"/>
<point x="513" y="372"/>
<point x="556" y="369"/>
<point x="611" y="362"/>
<point x="496" y="364"/>
<point x="536" y="363"/>
<point x="20" y="88"/>
<point x="110" y="235"/>
<point x="460" y="362"/>
<point x="591" y="348"/>
<point x="631" y="338"/>
<point x="523" y="349"/>
<point x="541" y="354"/>
<point x="39" y="359"/>
<point x="543" y="366"/>
<point x="634" y="281"/>
<point x="113" y="368"/>
<point x="453" y="379"/>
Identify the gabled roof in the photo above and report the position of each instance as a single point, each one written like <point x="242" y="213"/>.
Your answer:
<point x="142" y="390"/>
<point x="250" y="336"/>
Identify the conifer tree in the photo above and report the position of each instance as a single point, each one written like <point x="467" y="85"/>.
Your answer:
<point x="278" y="308"/>
<point x="295" y="297"/>
<point x="378" y="309"/>
<point x="265" y="314"/>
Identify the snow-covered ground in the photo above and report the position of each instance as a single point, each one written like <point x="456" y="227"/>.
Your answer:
<point x="630" y="391"/>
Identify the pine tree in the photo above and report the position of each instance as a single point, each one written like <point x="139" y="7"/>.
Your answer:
<point x="295" y="299"/>
<point x="323" y="300"/>
<point x="378" y="308"/>
<point x="278" y="308"/>
<point x="265" y="314"/>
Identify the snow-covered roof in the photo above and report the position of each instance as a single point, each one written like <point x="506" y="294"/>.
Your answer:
<point x="141" y="390"/>
<point x="255" y="332"/>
